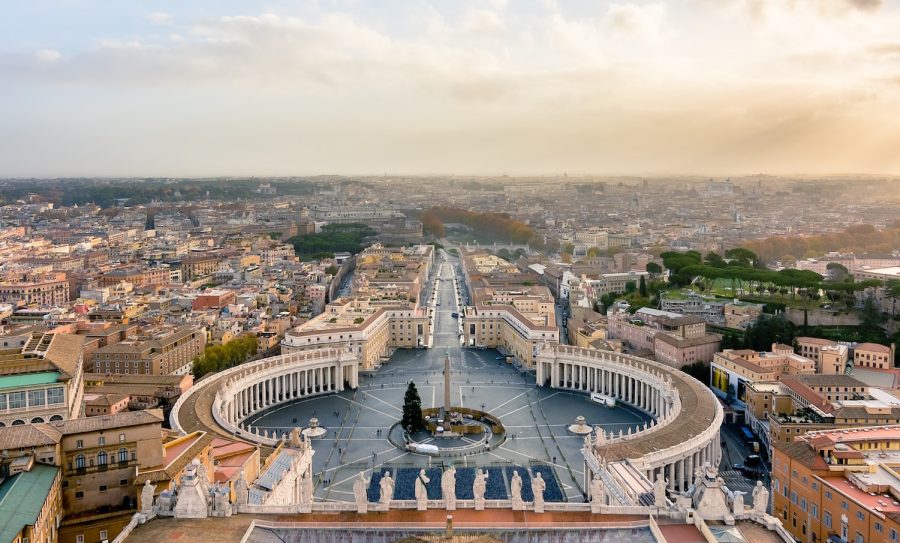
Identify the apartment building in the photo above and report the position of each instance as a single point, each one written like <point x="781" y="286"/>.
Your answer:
<point x="162" y="351"/>
<point x="98" y="457"/>
<point x="873" y="355"/>
<point x="672" y="338"/>
<point x="830" y="356"/>
<point x="41" y="378"/>
<point x="48" y="289"/>
<point x="733" y="369"/>
<point x="839" y="485"/>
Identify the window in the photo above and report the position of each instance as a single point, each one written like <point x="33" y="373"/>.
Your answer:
<point x="844" y="505"/>
<point x="826" y="519"/>
<point x="102" y="458"/>
<point x="2" y="402"/>
<point x="17" y="400"/>
<point x="103" y="535"/>
<point x="79" y="494"/>
<point x="101" y="441"/>
<point x="123" y="482"/>
<point x="859" y="538"/>
<point x="803" y="504"/>
<point x="79" y="538"/>
<point x="37" y="398"/>
<point x="828" y="494"/>
<point x="814" y="511"/>
<point x="79" y="461"/>
<point x="121" y="438"/>
<point x="79" y="444"/>
<point x="102" y="488"/>
<point x="123" y="456"/>
<point x="860" y="516"/>
<point x="894" y="535"/>
<point x="878" y="527"/>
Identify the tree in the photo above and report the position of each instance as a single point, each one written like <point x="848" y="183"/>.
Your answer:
<point x="839" y="272"/>
<point x="768" y="330"/>
<point x="594" y="252"/>
<point x="568" y="248"/>
<point x="871" y="321"/>
<point x="630" y="286"/>
<point x="412" y="410"/>
<point x="642" y="287"/>
<point x="699" y="370"/>
<point x="654" y="269"/>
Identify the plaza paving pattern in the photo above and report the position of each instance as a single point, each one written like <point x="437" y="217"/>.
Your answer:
<point x="359" y="421"/>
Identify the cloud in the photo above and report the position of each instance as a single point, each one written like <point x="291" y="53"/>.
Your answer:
<point x="48" y="55"/>
<point x="160" y="17"/>
<point x="482" y="21"/>
<point x="646" y="20"/>
<point x="866" y="5"/>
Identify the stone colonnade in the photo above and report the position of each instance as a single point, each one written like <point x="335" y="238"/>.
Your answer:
<point x="645" y="385"/>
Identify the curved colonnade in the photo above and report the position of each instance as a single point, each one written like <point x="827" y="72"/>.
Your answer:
<point x="684" y="434"/>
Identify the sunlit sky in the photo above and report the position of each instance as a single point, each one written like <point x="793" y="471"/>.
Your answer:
<point x="237" y="87"/>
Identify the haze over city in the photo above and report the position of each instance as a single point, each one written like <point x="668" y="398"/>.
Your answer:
<point x="471" y="87"/>
<point x="450" y="271"/>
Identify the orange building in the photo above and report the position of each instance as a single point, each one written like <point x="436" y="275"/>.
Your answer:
<point x="839" y="485"/>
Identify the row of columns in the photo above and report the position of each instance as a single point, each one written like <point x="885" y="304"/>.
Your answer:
<point x="680" y="473"/>
<point x="574" y="376"/>
<point x="289" y="386"/>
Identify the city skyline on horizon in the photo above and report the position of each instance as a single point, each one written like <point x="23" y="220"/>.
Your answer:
<point x="475" y="88"/>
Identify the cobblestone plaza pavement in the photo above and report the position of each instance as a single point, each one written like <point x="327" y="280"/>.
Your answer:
<point x="359" y="422"/>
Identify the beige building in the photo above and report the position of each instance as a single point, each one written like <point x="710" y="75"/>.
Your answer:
<point x="369" y="328"/>
<point x="873" y="355"/>
<point x="30" y="501"/>
<point x="166" y="351"/>
<point x="830" y="356"/>
<point x="517" y="321"/>
<point x="99" y="458"/>
<point x="37" y="289"/>
<point x="40" y="378"/>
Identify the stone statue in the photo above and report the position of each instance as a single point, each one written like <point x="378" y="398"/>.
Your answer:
<point x="387" y="488"/>
<point x="306" y="491"/>
<point x="515" y="491"/>
<point x="202" y="476"/>
<point x="537" y="488"/>
<point x="147" y="498"/>
<point x="737" y="503"/>
<point x="448" y="488"/>
<point x="359" y="492"/>
<point x="241" y="490"/>
<point x="422" y="490"/>
<point x="659" y="491"/>
<point x="588" y="443"/>
<point x="598" y="494"/>
<point x="478" y="488"/>
<point x="295" y="438"/>
<point x="760" y="498"/>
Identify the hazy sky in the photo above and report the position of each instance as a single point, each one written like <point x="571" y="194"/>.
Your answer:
<point x="203" y="87"/>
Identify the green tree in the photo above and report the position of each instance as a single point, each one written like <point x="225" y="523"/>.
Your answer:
<point x="412" y="420"/>
<point x="654" y="269"/>
<point x="699" y="370"/>
<point x="642" y="287"/>
<point x="769" y="329"/>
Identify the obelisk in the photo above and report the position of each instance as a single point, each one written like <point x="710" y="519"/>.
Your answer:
<point x="447" y="386"/>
